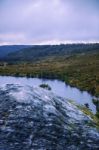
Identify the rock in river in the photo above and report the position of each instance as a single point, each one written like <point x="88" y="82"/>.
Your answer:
<point x="36" y="119"/>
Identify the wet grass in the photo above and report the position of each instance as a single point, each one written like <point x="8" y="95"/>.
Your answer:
<point x="89" y="113"/>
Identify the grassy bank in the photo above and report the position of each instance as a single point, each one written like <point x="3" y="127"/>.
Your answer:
<point x="81" y="71"/>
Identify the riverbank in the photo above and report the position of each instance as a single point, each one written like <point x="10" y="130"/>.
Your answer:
<point x="81" y="71"/>
<point x="82" y="98"/>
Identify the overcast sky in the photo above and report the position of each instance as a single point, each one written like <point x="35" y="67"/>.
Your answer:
<point x="48" y="21"/>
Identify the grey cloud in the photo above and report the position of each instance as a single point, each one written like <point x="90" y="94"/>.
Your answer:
<point x="35" y="21"/>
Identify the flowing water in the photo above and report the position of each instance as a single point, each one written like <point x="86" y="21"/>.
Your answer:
<point x="57" y="87"/>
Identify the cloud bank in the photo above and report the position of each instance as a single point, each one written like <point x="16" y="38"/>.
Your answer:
<point x="48" y="21"/>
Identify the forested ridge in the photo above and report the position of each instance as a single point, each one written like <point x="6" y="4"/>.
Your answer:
<point x="39" y="52"/>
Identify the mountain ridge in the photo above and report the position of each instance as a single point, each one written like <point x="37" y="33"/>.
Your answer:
<point x="38" y="52"/>
<point x="6" y="49"/>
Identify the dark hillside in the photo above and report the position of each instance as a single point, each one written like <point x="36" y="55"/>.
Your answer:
<point x="43" y="51"/>
<point x="4" y="50"/>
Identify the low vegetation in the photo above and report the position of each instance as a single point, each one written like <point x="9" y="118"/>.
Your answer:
<point x="87" y="112"/>
<point x="96" y="102"/>
<point x="45" y="86"/>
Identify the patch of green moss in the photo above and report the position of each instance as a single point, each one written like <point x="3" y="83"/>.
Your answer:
<point x="89" y="113"/>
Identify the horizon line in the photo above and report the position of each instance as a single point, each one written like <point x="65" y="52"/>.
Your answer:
<point x="51" y="43"/>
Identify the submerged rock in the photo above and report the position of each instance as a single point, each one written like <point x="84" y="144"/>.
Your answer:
<point x="45" y="86"/>
<point x="36" y="119"/>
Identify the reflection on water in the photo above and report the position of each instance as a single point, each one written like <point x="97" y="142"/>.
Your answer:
<point x="58" y="87"/>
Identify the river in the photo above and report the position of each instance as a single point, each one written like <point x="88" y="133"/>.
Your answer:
<point x="58" y="87"/>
